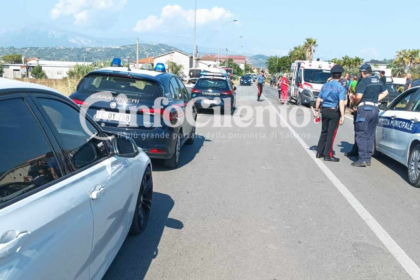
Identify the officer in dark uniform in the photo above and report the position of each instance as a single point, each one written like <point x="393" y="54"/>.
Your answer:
<point x="369" y="93"/>
<point x="333" y="99"/>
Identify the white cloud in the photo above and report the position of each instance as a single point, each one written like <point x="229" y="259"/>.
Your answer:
<point x="81" y="9"/>
<point x="175" y="16"/>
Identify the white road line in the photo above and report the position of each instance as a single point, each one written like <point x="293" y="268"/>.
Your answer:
<point x="406" y="262"/>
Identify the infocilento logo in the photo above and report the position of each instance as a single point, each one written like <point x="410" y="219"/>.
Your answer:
<point x="173" y="115"/>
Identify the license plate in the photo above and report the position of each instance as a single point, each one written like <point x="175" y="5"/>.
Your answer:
<point x="210" y="102"/>
<point x="112" y="116"/>
<point x="211" y="93"/>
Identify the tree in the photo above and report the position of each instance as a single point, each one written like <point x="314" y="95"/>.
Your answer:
<point x="248" y="68"/>
<point x="236" y="69"/>
<point x="277" y="64"/>
<point x="176" y="69"/>
<point x="1" y="70"/>
<point x="298" y="53"/>
<point x="12" y="58"/>
<point x="309" y="48"/>
<point x="79" y="71"/>
<point x="38" y="73"/>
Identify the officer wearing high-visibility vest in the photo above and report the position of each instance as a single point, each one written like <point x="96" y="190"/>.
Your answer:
<point x="369" y="93"/>
<point x="333" y="99"/>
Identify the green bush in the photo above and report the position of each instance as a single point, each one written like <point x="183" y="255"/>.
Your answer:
<point x="38" y="73"/>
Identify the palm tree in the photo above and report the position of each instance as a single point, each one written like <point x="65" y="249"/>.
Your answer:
<point x="176" y="69"/>
<point x="309" y="47"/>
<point x="346" y="61"/>
<point x="357" y="61"/>
<point x="336" y="61"/>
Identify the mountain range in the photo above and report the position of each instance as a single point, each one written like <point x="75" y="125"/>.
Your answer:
<point x="52" y="43"/>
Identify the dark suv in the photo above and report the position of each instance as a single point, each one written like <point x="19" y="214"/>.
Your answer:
<point x="214" y="90"/>
<point x="122" y="101"/>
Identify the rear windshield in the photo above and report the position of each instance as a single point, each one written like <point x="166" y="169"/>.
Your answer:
<point x="212" y="84"/>
<point x="132" y="88"/>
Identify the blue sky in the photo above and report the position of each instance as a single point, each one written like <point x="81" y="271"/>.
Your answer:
<point x="370" y="29"/>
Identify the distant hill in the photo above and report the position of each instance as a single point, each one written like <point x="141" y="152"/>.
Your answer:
<point x="89" y="53"/>
<point x="258" y="60"/>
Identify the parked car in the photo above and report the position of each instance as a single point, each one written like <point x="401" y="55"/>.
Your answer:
<point x="214" y="91"/>
<point x="117" y="91"/>
<point x="392" y="93"/>
<point x="246" y="80"/>
<point x="68" y="196"/>
<point x="398" y="132"/>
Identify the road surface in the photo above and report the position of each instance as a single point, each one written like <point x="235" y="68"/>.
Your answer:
<point x="253" y="203"/>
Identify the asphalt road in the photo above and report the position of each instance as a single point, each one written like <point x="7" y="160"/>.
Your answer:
<point x="253" y="203"/>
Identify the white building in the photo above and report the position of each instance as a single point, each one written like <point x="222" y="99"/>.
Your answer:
<point x="179" y="58"/>
<point x="52" y="69"/>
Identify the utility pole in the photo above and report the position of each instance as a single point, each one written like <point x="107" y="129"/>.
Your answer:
<point x="195" y="35"/>
<point x="137" y="54"/>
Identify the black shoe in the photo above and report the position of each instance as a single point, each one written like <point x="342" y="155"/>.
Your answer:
<point x="351" y="154"/>
<point x="368" y="164"/>
<point x="332" y="159"/>
<point x="360" y="164"/>
<point x="319" y="156"/>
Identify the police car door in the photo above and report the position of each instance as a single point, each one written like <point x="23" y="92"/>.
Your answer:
<point x="405" y="119"/>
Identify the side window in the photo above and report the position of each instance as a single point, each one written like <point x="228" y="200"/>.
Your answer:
<point x="409" y="102"/>
<point x="27" y="161"/>
<point x="177" y="90"/>
<point x="184" y="91"/>
<point x="299" y="76"/>
<point x="80" y="147"/>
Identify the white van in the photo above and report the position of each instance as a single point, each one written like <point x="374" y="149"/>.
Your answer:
<point x="307" y="79"/>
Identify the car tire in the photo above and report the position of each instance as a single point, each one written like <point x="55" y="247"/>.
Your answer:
<point x="144" y="204"/>
<point x="191" y="138"/>
<point x="173" y="162"/>
<point x="413" y="167"/>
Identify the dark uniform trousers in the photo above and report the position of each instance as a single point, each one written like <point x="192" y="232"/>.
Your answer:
<point x="366" y="121"/>
<point x="330" y="121"/>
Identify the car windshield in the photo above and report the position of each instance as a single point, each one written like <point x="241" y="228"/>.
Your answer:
<point x="211" y="84"/>
<point x="132" y="88"/>
<point x="316" y="76"/>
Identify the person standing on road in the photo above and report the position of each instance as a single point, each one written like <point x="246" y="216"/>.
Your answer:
<point x="369" y="93"/>
<point x="383" y="78"/>
<point x="260" y="79"/>
<point x="408" y="82"/>
<point x="283" y="90"/>
<point x="333" y="99"/>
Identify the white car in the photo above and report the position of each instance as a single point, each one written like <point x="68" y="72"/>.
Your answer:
<point x="69" y="194"/>
<point x="398" y="132"/>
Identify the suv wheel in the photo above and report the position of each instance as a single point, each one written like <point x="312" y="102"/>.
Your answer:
<point x="173" y="162"/>
<point x="144" y="204"/>
<point x="414" y="166"/>
<point x="191" y="138"/>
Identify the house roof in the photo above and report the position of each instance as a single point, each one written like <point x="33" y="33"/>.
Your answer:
<point x="171" y="53"/>
<point x="145" y="60"/>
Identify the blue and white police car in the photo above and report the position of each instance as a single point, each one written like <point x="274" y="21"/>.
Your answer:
<point x="398" y="132"/>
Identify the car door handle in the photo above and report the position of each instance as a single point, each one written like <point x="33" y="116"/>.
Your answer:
<point x="97" y="193"/>
<point x="12" y="241"/>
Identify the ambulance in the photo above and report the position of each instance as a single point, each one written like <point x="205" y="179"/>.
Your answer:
<point x="306" y="80"/>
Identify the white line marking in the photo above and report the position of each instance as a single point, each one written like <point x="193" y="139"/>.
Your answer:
<point x="406" y="262"/>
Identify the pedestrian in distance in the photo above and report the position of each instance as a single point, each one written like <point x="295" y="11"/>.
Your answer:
<point x="333" y="99"/>
<point x="408" y="82"/>
<point x="283" y="89"/>
<point x="383" y="78"/>
<point x="260" y="79"/>
<point x="369" y="93"/>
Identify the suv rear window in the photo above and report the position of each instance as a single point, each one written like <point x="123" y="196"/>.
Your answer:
<point x="132" y="88"/>
<point x="212" y="84"/>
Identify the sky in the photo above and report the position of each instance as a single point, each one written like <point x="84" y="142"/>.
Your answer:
<point x="370" y="29"/>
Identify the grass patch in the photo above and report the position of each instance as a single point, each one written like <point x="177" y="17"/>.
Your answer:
<point x="65" y="86"/>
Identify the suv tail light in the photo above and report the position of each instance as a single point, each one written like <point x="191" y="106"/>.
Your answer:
<point x="226" y="92"/>
<point x="172" y="116"/>
<point x="79" y="102"/>
<point x="195" y="90"/>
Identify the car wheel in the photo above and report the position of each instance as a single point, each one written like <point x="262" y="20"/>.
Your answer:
<point x="144" y="204"/>
<point x="414" y="166"/>
<point x="173" y="162"/>
<point x="191" y="139"/>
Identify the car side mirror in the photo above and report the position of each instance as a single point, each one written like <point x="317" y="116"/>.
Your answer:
<point x="124" y="146"/>
<point x="234" y="88"/>
<point x="85" y="155"/>
<point x="383" y="106"/>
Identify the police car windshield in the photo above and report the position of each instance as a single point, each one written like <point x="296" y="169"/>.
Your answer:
<point x="316" y="76"/>
<point x="132" y="88"/>
<point x="217" y="84"/>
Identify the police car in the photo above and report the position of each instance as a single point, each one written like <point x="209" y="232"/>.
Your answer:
<point x="123" y="101"/>
<point x="398" y="132"/>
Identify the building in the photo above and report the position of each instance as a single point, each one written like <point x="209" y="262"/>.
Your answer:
<point x="143" y="61"/>
<point x="52" y="69"/>
<point x="179" y="58"/>
<point x="211" y="60"/>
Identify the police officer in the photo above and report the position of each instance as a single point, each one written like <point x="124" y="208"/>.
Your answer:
<point x="369" y="93"/>
<point x="333" y="99"/>
<point x="260" y="79"/>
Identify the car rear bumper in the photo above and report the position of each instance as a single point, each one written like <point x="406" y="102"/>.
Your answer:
<point x="208" y="103"/>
